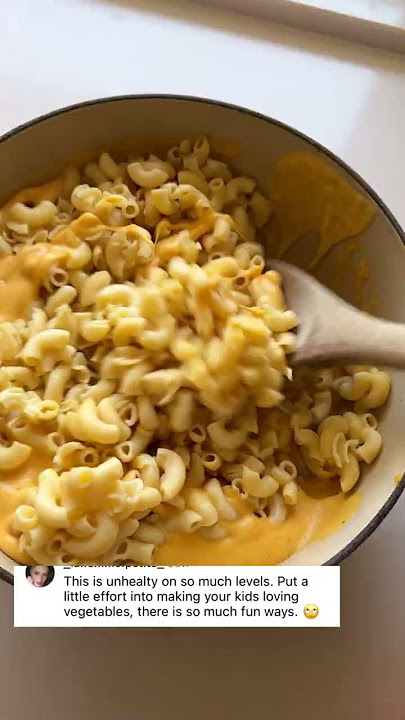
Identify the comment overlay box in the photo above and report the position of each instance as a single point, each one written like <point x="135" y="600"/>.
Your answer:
<point x="247" y="596"/>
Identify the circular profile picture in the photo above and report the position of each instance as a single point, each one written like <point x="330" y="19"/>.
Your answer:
<point x="40" y="575"/>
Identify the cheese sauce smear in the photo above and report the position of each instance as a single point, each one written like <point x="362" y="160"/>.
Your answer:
<point x="308" y="195"/>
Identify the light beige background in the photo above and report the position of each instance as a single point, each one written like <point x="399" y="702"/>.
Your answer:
<point x="55" y="52"/>
<point x="378" y="24"/>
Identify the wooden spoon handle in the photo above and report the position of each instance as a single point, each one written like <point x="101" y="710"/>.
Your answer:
<point x="351" y="337"/>
<point x="332" y="332"/>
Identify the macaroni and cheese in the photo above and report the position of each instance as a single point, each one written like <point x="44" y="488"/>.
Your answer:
<point x="147" y="376"/>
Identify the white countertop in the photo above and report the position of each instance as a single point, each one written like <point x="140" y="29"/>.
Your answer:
<point x="352" y="99"/>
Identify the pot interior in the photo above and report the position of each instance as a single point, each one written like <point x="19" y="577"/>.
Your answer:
<point x="252" y="144"/>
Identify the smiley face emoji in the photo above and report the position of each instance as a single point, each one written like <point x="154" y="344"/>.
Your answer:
<point x="311" y="611"/>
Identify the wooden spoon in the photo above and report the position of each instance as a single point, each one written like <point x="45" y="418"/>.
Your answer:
<point x="332" y="332"/>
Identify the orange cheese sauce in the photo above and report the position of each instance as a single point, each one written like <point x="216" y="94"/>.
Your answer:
<point x="14" y="490"/>
<point x="48" y="191"/>
<point x="20" y="276"/>
<point x="255" y="541"/>
<point x="16" y="290"/>
<point x="309" y="196"/>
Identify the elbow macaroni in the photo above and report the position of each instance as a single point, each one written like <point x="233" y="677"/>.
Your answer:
<point x="151" y="367"/>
